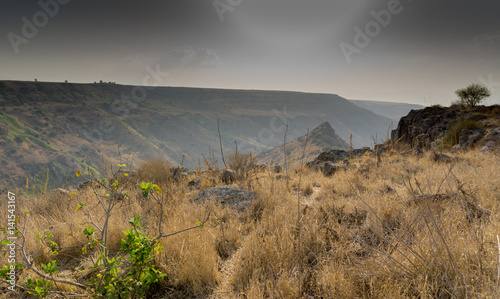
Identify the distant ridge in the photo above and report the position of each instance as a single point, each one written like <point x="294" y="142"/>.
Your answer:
<point x="322" y="138"/>
<point x="58" y="128"/>
<point x="391" y="110"/>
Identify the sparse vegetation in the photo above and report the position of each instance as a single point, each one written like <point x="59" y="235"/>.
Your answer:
<point x="405" y="228"/>
<point x="452" y="136"/>
<point x="240" y="162"/>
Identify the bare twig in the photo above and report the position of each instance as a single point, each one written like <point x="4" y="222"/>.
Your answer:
<point x="30" y="265"/>
<point x="180" y="231"/>
<point x="220" y="142"/>
<point x="66" y="294"/>
<point x="284" y="154"/>
<point x="299" y="218"/>
<point x="498" y="275"/>
<point x="351" y="153"/>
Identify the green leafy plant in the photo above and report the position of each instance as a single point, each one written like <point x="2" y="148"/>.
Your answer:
<point x="127" y="273"/>
<point x="40" y="287"/>
<point x="139" y="273"/>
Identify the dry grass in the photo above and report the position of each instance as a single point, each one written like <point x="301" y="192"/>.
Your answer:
<point x="407" y="228"/>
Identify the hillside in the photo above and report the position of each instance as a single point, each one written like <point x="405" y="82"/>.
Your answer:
<point x="322" y="138"/>
<point x="391" y="110"/>
<point x="61" y="127"/>
<point x="388" y="227"/>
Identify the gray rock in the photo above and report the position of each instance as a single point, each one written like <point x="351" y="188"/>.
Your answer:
<point x="417" y="152"/>
<point x="436" y="145"/>
<point x="179" y="173"/>
<point x="316" y="165"/>
<point x="61" y="191"/>
<point x="422" y="141"/>
<point x="195" y="183"/>
<point x="282" y="177"/>
<point x="277" y="168"/>
<point x="494" y="134"/>
<point x="341" y="155"/>
<point x="233" y="197"/>
<point x="228" y="176"/>
<point x="488" y="148"/>
<point x="456" y="148"/>
<point x="366" y="167"/>
<point x="84" y="185"/>
<point x="469" y="137"/>
<point x="329" y="168"/>
<point x="440" y="157"/>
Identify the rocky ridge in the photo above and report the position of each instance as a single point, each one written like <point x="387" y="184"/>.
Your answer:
<point x="464" y="128"/>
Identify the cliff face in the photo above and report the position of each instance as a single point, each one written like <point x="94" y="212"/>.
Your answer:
<point x="465" y="126"/>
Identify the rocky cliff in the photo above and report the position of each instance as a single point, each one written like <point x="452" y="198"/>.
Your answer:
<point x="457" y="126"/>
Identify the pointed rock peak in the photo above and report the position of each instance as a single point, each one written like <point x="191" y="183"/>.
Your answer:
<point x="324" y="127"/>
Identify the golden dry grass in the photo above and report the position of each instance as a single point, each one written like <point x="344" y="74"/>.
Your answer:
<point x="405" y="228"/>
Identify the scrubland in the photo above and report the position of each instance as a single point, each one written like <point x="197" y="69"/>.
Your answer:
<point x="405" y="227"/>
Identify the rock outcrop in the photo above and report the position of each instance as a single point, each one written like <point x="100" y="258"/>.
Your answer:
<point x="341" y="155"/>
<point x="427" y="127"/>
<point x="327" y="162"/>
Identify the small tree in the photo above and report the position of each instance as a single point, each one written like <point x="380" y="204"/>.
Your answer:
<point x="473" y="94"/>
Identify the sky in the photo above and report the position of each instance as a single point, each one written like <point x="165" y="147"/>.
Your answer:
<point x="414" y="51"/>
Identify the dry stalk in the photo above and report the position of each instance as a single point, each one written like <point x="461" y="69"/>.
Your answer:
<point x="220" y="142"/>
<point x="299" y="214"/>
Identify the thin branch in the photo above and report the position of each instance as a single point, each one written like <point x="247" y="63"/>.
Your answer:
<point x="220" y="142"/>
<point x="72" y="295"/>
<point x="284" y="153"/>
<point x="299" y="214"/>
<point x="23" y="251"/>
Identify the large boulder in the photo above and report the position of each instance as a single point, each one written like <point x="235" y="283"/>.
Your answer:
<point x="233" y="197"/>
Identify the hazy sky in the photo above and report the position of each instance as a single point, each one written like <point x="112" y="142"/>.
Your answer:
<point x="417" y="51"/>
